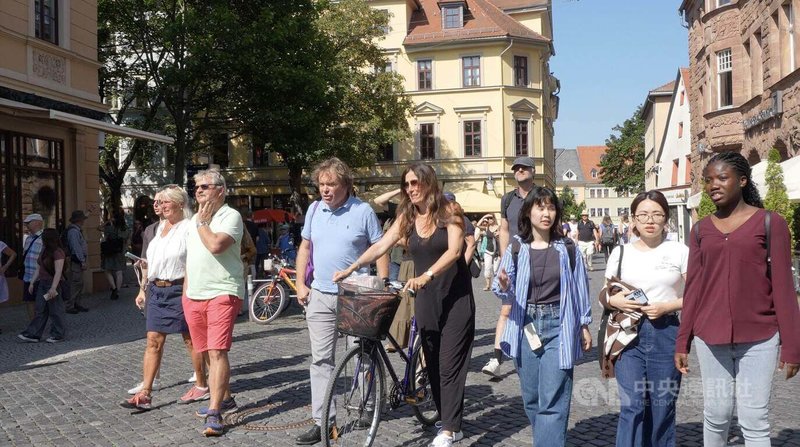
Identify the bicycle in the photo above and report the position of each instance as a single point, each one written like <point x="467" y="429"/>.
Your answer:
<point x="357" y="387"/>
<point x="270" y="298"/>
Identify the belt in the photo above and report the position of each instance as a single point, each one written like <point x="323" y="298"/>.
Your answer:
<point x="167" y="283"/>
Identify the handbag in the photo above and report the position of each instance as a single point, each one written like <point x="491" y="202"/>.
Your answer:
<point x="310" y="264"/>
<point x="601" y="332"/>
<point x="475" y="265"/>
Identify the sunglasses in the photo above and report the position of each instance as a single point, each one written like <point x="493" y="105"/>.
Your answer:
<point x="414" y="183"/>
<point x="520" y="168"/>
<point x="207" y="186"/>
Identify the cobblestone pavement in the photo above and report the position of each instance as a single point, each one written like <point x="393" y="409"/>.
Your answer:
<point x="68" y="393"/>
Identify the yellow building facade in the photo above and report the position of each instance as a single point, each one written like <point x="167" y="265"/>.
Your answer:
<point x="478" y="74"/>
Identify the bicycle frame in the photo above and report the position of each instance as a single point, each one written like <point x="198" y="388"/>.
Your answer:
<point x="407" y="378"/>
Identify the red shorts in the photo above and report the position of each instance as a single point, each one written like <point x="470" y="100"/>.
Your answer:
<point x="211" y="321"/>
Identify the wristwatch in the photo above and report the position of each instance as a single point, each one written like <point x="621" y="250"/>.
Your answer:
<point x="200" y="223"/>
<point x="429" y="273"/>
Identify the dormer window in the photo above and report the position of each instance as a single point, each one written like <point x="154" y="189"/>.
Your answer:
<point x="569" y="175"/>
<point x="594" y="173"/>
<point x="452" y="15"/>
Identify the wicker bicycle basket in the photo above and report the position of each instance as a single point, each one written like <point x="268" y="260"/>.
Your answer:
<point x="365" y="312"/>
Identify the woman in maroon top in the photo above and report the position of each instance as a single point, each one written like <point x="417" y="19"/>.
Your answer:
<point x="738" y="307"/>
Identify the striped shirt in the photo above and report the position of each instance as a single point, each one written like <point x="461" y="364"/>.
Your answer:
<point x="32" y="255"/>
<point x="575" y="309"/>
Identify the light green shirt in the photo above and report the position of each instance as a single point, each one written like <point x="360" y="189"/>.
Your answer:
<point x="213" y="275"/>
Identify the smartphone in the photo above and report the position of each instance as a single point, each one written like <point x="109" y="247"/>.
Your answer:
<point x="132" y="256"/>
<point x="638" y="296"/>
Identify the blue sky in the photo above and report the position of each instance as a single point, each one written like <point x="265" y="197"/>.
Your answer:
<point x="609" y="54"/>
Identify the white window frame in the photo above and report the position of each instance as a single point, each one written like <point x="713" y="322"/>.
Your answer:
<point x="593" y="173"/>
<point x="480" y="71"/>
<point x="416" y="70"/>
<point x="482" y="136"/>
<point x="418" y="140"/>
<point x="460" y="9"/>
<point x="724" y="65"/>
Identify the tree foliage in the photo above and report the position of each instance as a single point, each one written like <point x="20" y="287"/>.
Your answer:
<point x="569" y="205"/>
<point x="777" y="198"/>
<point x="706" y="206"/>
<point x="622" y="167"/>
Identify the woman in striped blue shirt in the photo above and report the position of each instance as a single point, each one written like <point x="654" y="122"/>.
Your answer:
<point x="548" y="327"/>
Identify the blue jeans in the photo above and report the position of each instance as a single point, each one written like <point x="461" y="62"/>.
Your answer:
<point x="742" y="371"/>
<point x="546" y="389"/>
<point x="648" y="386"/>
<point x="394" y="271"/>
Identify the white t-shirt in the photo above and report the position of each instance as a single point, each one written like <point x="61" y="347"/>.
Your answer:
<point x="166" y="256"/>
<point x="658" y="272"/>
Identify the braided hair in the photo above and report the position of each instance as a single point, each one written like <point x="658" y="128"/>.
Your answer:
<point x="739" y="164"/>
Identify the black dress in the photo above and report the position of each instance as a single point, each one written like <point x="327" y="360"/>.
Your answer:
<point x="445" y="314"/>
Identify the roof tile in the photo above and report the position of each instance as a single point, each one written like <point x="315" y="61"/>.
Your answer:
<point x="589" y="157"/>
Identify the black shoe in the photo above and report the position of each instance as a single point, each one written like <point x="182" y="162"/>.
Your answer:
<point x="313" y="436"/>
<point x="72" y="311"/>
<point x="81" y="309"/>
<point x="114" y="294"/>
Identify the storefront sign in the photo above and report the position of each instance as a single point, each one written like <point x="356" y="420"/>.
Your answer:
<point x="775" y="109"/>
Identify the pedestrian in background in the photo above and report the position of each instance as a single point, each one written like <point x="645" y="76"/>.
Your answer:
<point x="78" y="261"/>
<point x="740" y="305"/>
<point x="165" y="270"/>
<point x="523" y="170"/>
<point x="548" y="286"/>
<point x="444" y="303"/>
<point x="115" y="237"/>
<point x="488" y="247"/>
<point x="10" y="255"/>
<point x="214" y="289"/>
<point x="609" y="237"/>
<point x="45" y="285"/>
<point x="588" y="239"/>
<point x="646" y="376"/>
<point x="340" y="227"/>
<point x="31" y="249"/>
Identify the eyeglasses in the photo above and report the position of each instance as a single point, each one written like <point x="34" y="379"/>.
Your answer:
<point x="206" y="186"/>
<point x="413" y="183"/>
<point x="657" y="218"/>
<point x="520" y="168"/>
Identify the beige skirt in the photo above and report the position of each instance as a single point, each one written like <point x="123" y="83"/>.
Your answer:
<point x="401" y="325"/>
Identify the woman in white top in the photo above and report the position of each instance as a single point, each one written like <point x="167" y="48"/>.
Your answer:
<point x="165" y="269"/>
<point x="647" y="379"/>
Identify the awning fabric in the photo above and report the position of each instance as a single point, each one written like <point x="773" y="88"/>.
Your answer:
<point x="271" y="215"/>
<point x="791" y="177"/>
<point x="473" y="201"/>
<point x="28" y="111"/>
<point x="694" y="200"/>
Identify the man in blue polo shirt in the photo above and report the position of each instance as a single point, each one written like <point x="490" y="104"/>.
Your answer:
<point x="341" y="228"/>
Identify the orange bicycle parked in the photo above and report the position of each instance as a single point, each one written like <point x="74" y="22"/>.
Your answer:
<point x="271" y="297"/>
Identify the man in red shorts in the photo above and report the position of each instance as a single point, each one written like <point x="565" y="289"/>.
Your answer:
<point x="213" y="296"/>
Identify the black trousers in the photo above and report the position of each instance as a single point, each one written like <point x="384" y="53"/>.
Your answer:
<point x="447" y="354"/>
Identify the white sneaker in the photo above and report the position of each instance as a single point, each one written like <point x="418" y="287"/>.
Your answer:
<point x="193" y="379"/>
<point x="442" y="440"/>
<point x="457" y="436"/>
<point x="137" y="388"/>
<point x="491" y="367"/>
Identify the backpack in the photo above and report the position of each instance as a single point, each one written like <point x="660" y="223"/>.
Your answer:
<point x="65" y="241"/>
<point x="490" y="243"/>
<point x="515" y="247"/>
<point x="608" y="235"/>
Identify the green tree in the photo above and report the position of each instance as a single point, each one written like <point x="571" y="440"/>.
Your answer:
<point x="569" y="205"/>
<point x="777" y="199"/>
<point x="309" y="89"/>
<point x="706" y="206"/>
<point x="622" y="167"/>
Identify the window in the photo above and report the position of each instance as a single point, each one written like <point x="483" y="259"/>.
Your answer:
<point x="569" y="175"/>
<point x="787" y="39"/>
<point x="260" y="155"/>
<point x="386" y="152"/>
<point x="683" y="96"/>
<point x="605" y="193"/>
<point x="472" y="70"/>
<point x="756" y="65"/>
<point x="622" y="211"/>
<point x="452" y="17"/>
<point x="606" y="212"/>
<point x="387" y="67"/>
<point x="724" y="79"/>
<point x="722" y="2"/>
<point x="680" y="130"/>
<point x="594" y="173"/>
<point x="425" y="74"/>
<point x="591" y="193"/>
<point x="520" y="71"/>
<point x="592" y="212"/>
<point x="521" y="138"/>
<point x="427" y="142"/>
<point x="688" y="171"/>
<point x="675" y="167"/>
<point x="219" y="150"/>
<point x="472" y="138"/>
<point x="384" y="28"/>
<point x="46" y="20"/>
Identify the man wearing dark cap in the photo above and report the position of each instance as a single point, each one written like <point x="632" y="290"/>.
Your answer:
<point x="510" y="206"/>
<point x="79" y="258"/>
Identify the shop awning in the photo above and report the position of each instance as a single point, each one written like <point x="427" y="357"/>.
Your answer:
<point x="271" y="215"/>
<point x="791" y="177"/>
<point x="473" y="201"/>
<point x="694" y="200"/>
<point x="28" y="111"/>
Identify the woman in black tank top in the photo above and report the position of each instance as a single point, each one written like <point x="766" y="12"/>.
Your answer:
<point x="444" y="306"/>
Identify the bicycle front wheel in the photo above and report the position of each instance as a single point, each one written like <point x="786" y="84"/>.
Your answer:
<point x="353" y="403"/>
<point x="420" y="387"/>
<point x="267" y="302"/>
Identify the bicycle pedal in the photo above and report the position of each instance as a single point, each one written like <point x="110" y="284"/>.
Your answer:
<point x="411" y="400"/>
<point x="334" y="434"/>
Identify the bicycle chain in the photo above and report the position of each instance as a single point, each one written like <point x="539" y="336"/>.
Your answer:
<point x="235" y="419"/>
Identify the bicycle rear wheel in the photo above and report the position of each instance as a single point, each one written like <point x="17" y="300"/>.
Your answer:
<point x="424" y="407"/>
<point x="267" y="302"/>
<point x="355" y="394"/>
